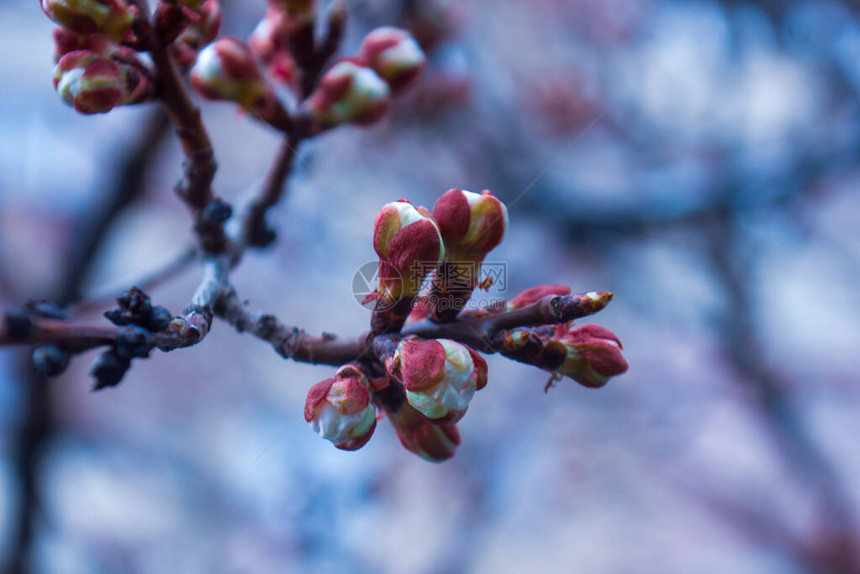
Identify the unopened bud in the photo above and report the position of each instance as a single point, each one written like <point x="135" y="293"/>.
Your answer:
<point x="205" y="29"/>
<point x="270" y="43"/>
<point x="108" y="18"/>
<point x="409" y="246"/>
<point x="394" y="55"/>
<point x="226" y="70"/>
<point x="534" y="294"/>
<point x="339" y="409"/>
<point x="593" y="355"/>
<point x="94" y="84"/>
<point x="440" y="376"/>
<point x="472" y="224"/>
<point x="349" y="93"/>
<point x="432" y="442"/>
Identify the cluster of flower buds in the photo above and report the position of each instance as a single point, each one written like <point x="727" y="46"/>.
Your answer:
<point x="227" y="70"/>
<point x="358" y="89"/>
<point x="427" y="388"/>
<point x="340" y="410"/>
<point x="425" y="385"/>
<point x="95" y="84"/>
<point x="409" y="246"/>
<point x="472" y="225"/>
<point x="110" y="19"/>
<point x="440" y="376"/>
<point x="94" y="73"/>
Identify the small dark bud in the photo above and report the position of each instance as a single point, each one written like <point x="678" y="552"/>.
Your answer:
<point x="133" y="342"/>
<point x="108" y="370"/>
<point x="134" y="308"/>
<point x="18" y="324"/>
<point x="217" y="211"/>
<point x="135" y="302"/>
<point x="159" y="319"/>
<point x="51" y="360"/>
<point x="46" y="309"/>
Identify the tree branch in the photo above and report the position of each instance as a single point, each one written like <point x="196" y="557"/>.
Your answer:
<point x="195" y="187"/>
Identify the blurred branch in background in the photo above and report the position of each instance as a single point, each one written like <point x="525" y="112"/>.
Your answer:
<point x="37" y="424"/>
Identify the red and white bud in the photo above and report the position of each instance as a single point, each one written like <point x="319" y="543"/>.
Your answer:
<point x="66" y="41"/>
<point x="593" y="355"/>
<point x="269" y="42"/>
<point x="94" y="84"/>
<point x="534" y="294"/>
<point x="348" y="93"/>
<point x="339" y="409"/>
<point x="394" y="55"/>
<point x="432" y="442"/>
<point x="226" y="70"/>
<point x="472" y="224"/>
<point x="108" y="18"/>
<point x="409" y="246"/>
<point x="440" y="376"/>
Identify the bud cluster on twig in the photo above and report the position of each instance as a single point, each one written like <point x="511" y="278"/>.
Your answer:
<point x="419" y="363"/>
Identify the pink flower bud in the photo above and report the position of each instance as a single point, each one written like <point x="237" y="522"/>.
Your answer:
<point x="432" y="442"/>
<point x="348" y="93"/>
<point x="440" y="376"/>
<point x="270" y="43"/>
<point x="226" y="70"/>
<point x="94" y="84"/>
<point x="108" y="18"/>
<point x="205" y="29"/>
<point x="66" y="41"/>
<point x="340" y="411"/>
<point x="394" y="55"/>
<point x="472" y="224"/>
<point x="534" y="294"/>
<point x="593" y="355"/>
<point x="409" y="247"/>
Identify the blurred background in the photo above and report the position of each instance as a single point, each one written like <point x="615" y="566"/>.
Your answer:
<point x="698" y="159"/>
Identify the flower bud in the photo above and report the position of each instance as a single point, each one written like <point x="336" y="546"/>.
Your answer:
<point x="472" y="224"/>
<point x="394" y="55"/>
<point x="66" y="41"/>
<point x="348" y="93"/>
<point x="226" y="70"/>
<point x="593" y="355"/>
<point x="409" y="247"/>
<point x="205" y="29"/>
<point x="270" y="44"/>
<point x="534" y="294"/>
<point x="440" y="376"/>
<point x="94" y="84"/>
<point x="432" y="442"/>
<point x="108" y="18"/>
<point x="340" y="411"/>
